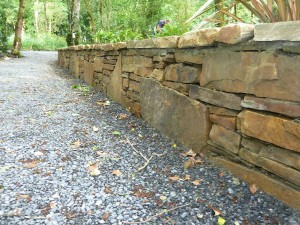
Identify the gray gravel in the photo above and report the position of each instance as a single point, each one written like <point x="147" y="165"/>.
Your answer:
<point x="49" y="139"/>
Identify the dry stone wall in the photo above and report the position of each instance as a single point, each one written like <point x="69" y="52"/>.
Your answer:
<point x="231" y="91"/>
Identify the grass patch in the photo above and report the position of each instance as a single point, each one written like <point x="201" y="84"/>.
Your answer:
<point x="83" y="89"/>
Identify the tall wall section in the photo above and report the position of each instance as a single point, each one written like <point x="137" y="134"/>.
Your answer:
<point x="231" y="91"/>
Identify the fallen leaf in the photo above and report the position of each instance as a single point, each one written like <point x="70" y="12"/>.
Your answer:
<point x="123" y="116"/>
<point x="187" y="164"/>
<point x="101" y="153"/>
<point x="174" y="178"/>
<point x="187" y="177"/>
<point x="38" y="153"/>
<point x="103" y="103"/>
<point x="116" y="133"/>
<point x="216" y="211"/>
<point x="221" y="221"/>
<point x="191" y="153"/>
<point x="95" y="129"/>
<point x="52" y="204"/>
<point x="221" y="174"/>
<point x="196" y="182"/>
<point x="26" y="197"/>
<point x="75" y="144"/>
<point x="105" y="216"/>
<point x="174" y="145"/>
<point x="93" y="169"/>
<point x="163" y="198"/>
<point x="31" y="165"/>
<point x="107" y="190"/>
<point x="117" y="172"/>
<point x="253" y="188"/>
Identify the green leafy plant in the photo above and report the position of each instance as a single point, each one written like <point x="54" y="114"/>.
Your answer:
<point x="83" y="89"/>
<point x="119" y="36"/>
<point x="172" y="29"/>
<point x="267" y="11"/>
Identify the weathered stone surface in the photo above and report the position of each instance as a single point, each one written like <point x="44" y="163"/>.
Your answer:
<point x="235" y="33"/>
<point x="222" y="111"/>
<point x="143" y="71"/>
<point x="119" y="45"/>
<point x="145" y="43"/>
<point x="133" y="107"/>
<point x="279" y="169"/>
<point x="205" y="37"/>
<point x="89" y="73"/>
<point x="134" y="86"/>
<point x="182" y="74"/>
<point x="106" y="72"/>
<point x="158" y="75"/>
<point x="128" y="67"/>
<point x="108" y="67"/>
<point x="180" y="87"/>
<point x="135" y="96"/>
<point x="135" y="77"/>
<point x="189" y="56"/>
<point x="279" y="131"/>
<point x="143" y="61"/>
<point x="158" y="58"/>
<point x="252" y="144"/>
<point x="281" y="155"/>
<point x="114" y="89"/>
<point x="260" y="73"/>
<point x="106" y="47"/>
<point x="98" y="64"/>
<point x="280" y="31"/>
<point x="178" y="116"/>
<point x="227" y="100"/>
<point x="287" y="108"/>
<point x="271" y="186"/>
<point x="225" y="138"/>
<point x="125" y="83"/>
<point x="166" y="42"/>
<point x="127" y="59"/>
<point x="229" y="122"/>
<point x="248" y="155"/>
<point x="110" y="61"/>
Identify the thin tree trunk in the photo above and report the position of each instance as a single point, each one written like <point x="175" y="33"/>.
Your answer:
<point x="18" y="30"/>
<point x="101" y="13"/>
<point x="75" y="23"/>
<point x="90" y="14"/>
<point x="36" y="17"/>
<point x="46" y="17"/>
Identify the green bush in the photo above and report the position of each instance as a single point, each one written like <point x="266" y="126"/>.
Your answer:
<point x="173" y="29"/>
<point x="113" y="37"/>
<point x="42" y="42"/>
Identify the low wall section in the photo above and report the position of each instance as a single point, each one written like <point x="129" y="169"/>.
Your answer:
<point x="231" y="91"/>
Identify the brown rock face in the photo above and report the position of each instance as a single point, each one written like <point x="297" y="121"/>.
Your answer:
<point x="225" y="138"/>
<point x="182" y="74"/>
<point x="115" y="85"/>
<point x="279" y="131"/>
<point x="176" y="115"/>
<point x="230" y="101"/>
<point x="262" y="74"/>
<point x="225" y="121"/>
<point x="89" y="72"/>
<point x="271" y="186"/>
<point x="287" y="108"/>
<point x="204" y="37"/>
<point x="235" y="33"/>
<point x="189" y="56"/>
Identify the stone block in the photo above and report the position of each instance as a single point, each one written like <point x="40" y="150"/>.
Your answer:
<point x="89" y="73"/>
<point x="248" y="155"/>
<point x="108" y="67"/>
<point x="182" y="74"/>
<point x="276" y="130"/>
<point x="109" y="61"/>
<point x="285" y="193"/>
<point x="119" y="45"/>
<point x="98" y="64"/>
<point x="106" y="72"/>
<point x="106" y="47"/>
<point x="125" y="83"/>
<point x="145" y="43"/>
<point x="235" y="33"/>
<point x="134" y="96"/>
<point x="133" y="107"/>
<point x="134" y="86"/>
<point x="291" y="109"/>
<point x="128" y="67"/>
<point x="143" y="61"/>
<point x="105" y="80"/>
<point x="281" y="155"/>
<point x="174" y="114"/>
<point x="180" y="87"/>
<point x="225" y="138"/>
<point x="228" y="122"/>
<point x="252" y="144"/>
<point x="143" y="71"/>
<point x="114" y="89"/>
<point x="166" y="42"/>
<point x="218" y="98"/>
<point x="205" y="37"/>
<point x="280" y="31"/>
<point x="158" y="58"/>
<point x="135" y="77"/>
<point x="194" y="56"/>
<point x="222" y="111"/>
<point x="281" y="170"/>
<point x="158" y="75"/>
<point x="260" y="73"/>
<point x="127" y="59"/>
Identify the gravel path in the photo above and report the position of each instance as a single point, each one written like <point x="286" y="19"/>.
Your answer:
<point x="69" y="155"/>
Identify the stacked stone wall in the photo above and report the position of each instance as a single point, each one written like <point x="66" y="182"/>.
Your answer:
<point x="231" y="91"/>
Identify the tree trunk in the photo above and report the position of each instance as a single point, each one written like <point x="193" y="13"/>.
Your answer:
<point x="74" y="35"/>
<point x="90" y="14"/>
<point x="101" y="13"/>
<point x="36" y="17"/>
<point x="18" y="30"/>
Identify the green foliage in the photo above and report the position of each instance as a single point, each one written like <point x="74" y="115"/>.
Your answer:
<point x="118" y="36"/>
<point x="48" y="42"/>
<point x="85" y="90"/>
<point x="172" y="29"/>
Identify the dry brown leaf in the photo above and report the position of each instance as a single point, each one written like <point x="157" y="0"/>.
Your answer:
<point x="101" y="153"/>
<point x="93" y="169"/>
<point x="76" y="144"/>
<point x="191" y="153"/>
<point x="187" y="177"/>
<point x="117" y="172"/>
<point x="52" y="204"/>
<point x="26" y="197"/>
<point x="105" y="216"/>
<point x="31" y="165"/>
<point x="123" y="116"/>
<point x="216" y="211"/>
<point x="107" y="190"/>
<point x="174" y="178"/>
<point x="253" y="188"/>
<point x="196" y="182"/>
<point x="187" y="164"/>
